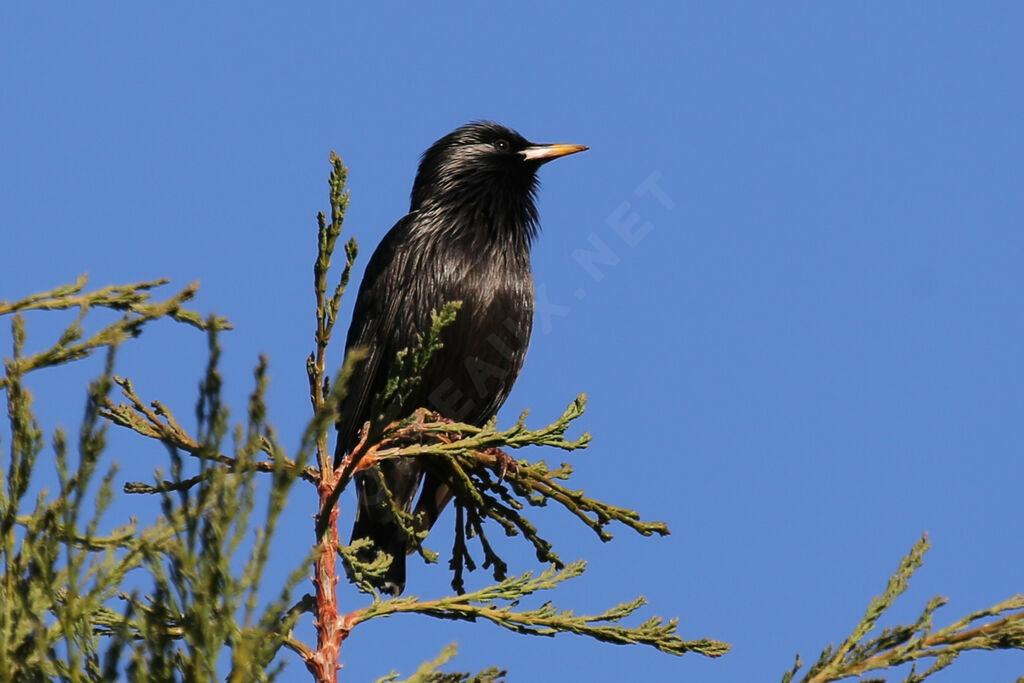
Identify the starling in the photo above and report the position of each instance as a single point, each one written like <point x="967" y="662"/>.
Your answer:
<point x="466" y="238"/>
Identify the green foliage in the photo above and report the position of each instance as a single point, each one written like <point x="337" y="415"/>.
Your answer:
<point x="428" y="672"/>
<point x="59" y="572"/>
<point x="497" y="604"/>
<point x="199" y="603"/>
<point x="66" y="608"/>
<point x="468" y="456"/>
<point x="998" y="627"/>
<point x="67" y="605"/>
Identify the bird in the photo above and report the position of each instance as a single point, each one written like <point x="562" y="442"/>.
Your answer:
<point x="467" y="237"/>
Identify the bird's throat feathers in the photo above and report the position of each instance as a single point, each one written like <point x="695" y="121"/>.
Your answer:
<point x="484" y="218"/>
<point x="484" y="210"/>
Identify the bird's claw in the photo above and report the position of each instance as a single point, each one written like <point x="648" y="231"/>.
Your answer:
<point x="503" y="463"/>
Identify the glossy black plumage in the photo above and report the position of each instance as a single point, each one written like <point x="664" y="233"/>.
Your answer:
<point x="466" y="238"/>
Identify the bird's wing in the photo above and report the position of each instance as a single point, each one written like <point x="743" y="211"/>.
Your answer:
<point x="382" y="325"/>
<point x="373" y="329"/>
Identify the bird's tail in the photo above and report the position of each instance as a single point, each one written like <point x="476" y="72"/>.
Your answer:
<point x="375" y="521"/>
<point x="388" y="539"/>
<point x="433" y="499"/>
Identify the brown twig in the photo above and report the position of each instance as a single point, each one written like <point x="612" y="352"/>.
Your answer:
<point x="157" y="422"/>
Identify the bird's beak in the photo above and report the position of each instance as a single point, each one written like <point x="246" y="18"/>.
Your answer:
<point x="545" y="153"/>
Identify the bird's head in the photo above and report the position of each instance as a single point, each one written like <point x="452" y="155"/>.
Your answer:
<point x="484" y="163"/>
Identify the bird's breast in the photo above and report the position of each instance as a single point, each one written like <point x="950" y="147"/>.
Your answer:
<point x="484" y="348"/>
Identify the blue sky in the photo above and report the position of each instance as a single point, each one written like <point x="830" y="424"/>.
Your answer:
<point x="805" y="361"/>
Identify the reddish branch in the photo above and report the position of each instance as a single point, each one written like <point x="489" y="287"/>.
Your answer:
<point x="331" y="629"/>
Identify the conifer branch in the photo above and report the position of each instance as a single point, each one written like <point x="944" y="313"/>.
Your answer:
<point x="545" y="620"/>
<point x="134" y="299"/>
<point x="327" y="307"/>
<point x="156" y="421"/>
<point x="204" y="557"/>
<point x="467" y="457"/>
<point x="998" y="627"/>
<point x="323" y="661"/>
<point x="59" y="564"/>
<point x="428" y="672"/>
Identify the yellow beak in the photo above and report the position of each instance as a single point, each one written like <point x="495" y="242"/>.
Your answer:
<point x="549" y="152"/>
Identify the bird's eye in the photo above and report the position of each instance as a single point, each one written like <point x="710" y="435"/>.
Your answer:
<point x="502" y="146"/>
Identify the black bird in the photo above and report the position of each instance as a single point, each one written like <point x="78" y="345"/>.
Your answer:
<point x="466" y="238"/>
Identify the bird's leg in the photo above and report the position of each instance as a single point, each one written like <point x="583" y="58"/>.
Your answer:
<point x="438" y="417"/>
<point x="503" y="462"/>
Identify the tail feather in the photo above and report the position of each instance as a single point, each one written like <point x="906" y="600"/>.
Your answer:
<point x="433" y="499"/>
<point x="387" y="538"/>
<point x="375" y="521"/>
